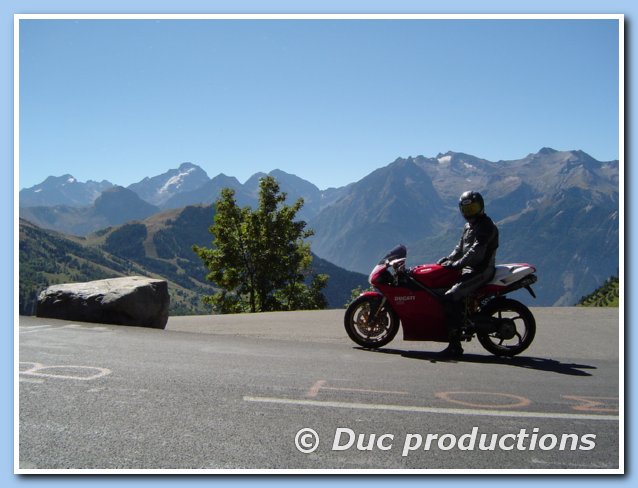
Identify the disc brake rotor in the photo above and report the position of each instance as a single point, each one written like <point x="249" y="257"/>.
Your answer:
<point x="371" y="328"/>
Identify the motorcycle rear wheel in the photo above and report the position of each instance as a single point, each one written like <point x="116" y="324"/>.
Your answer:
<point x="517" y="332"/>
<point x="370" y="332"/>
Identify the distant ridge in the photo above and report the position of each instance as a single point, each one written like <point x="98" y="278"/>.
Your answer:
<point x="558" y="210"/>
<point x="159" y="246"/>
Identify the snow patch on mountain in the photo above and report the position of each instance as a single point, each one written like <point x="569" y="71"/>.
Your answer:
<point x="174" y="183"/>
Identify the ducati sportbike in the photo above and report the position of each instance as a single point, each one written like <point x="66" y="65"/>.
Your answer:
<point x="412" y="298"/>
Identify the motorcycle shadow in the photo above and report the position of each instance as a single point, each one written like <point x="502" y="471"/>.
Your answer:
<point x="526" y="362"/>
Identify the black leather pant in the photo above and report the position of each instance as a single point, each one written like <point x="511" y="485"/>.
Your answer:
<point x="453" y="303"/>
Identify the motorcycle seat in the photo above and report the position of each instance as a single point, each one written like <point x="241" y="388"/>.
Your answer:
<point x="506" y="274"/>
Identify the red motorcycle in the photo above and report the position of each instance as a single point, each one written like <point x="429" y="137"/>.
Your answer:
<point x="413" y="298"/>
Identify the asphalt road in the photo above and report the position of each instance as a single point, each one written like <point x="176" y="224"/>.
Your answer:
<point x="242" y="392"/>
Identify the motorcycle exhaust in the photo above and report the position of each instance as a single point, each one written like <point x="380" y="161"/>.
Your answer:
<point x="504" y="328"/>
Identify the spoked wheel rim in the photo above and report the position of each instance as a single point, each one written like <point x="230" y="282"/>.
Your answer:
<point x="513" y="331"/>
<point x="516" y="330"/>
<point x="369" y="326"/>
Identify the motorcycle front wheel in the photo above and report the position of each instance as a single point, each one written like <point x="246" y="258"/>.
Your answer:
<point x="368" y="325"/>
<point x="515" y="331"/>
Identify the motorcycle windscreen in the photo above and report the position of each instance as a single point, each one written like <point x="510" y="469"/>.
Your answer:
<point x="399" y="252"/>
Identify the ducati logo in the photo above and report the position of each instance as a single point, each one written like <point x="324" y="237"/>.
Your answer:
<point x="407" y="298"/>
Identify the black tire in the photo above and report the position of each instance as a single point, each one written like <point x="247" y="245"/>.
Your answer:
<point x="520" y="317"/>
<point x="362" y="331"/>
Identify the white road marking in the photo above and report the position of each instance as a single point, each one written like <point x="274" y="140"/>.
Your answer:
<point x="319" y="385"/>
<point x="30" y="329"/>
<point x="33" y="328"/>
<point x="418" y="409"/>
<point x="40" y="371"/>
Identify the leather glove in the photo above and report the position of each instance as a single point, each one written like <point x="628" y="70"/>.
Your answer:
<point x="452" y="265"/>
<point x="442" y="260"/>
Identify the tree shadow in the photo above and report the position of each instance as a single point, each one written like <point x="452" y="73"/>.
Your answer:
<point x="533" y="363"/>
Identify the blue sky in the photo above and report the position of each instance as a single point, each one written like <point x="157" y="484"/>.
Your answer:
<point x="328" y="100"/>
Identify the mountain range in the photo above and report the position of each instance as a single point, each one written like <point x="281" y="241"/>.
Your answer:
<point x="115" y="205"/>
<point x="558" y="210"/>
<point x="62" y="190"/>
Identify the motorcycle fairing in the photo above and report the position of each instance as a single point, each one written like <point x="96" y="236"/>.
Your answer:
<point x="509" y="277"/>
<point x="417" y="299"/>
<point x="435" y="276"/>
<point x="506" y="274"/>
<point x="421" y="313"/>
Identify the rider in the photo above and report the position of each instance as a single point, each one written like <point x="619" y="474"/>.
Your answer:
<point x="475" y="255"/>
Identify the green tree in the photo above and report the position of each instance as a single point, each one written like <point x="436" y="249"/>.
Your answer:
<point x="355" y="293"/>
<point x="607" y="295"/>
<point x="259" y="260"/>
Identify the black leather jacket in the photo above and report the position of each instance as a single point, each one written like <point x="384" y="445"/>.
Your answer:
<point x="477" y="247"/>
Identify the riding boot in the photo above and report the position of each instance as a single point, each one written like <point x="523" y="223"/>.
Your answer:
<point x="453" y="322"/>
